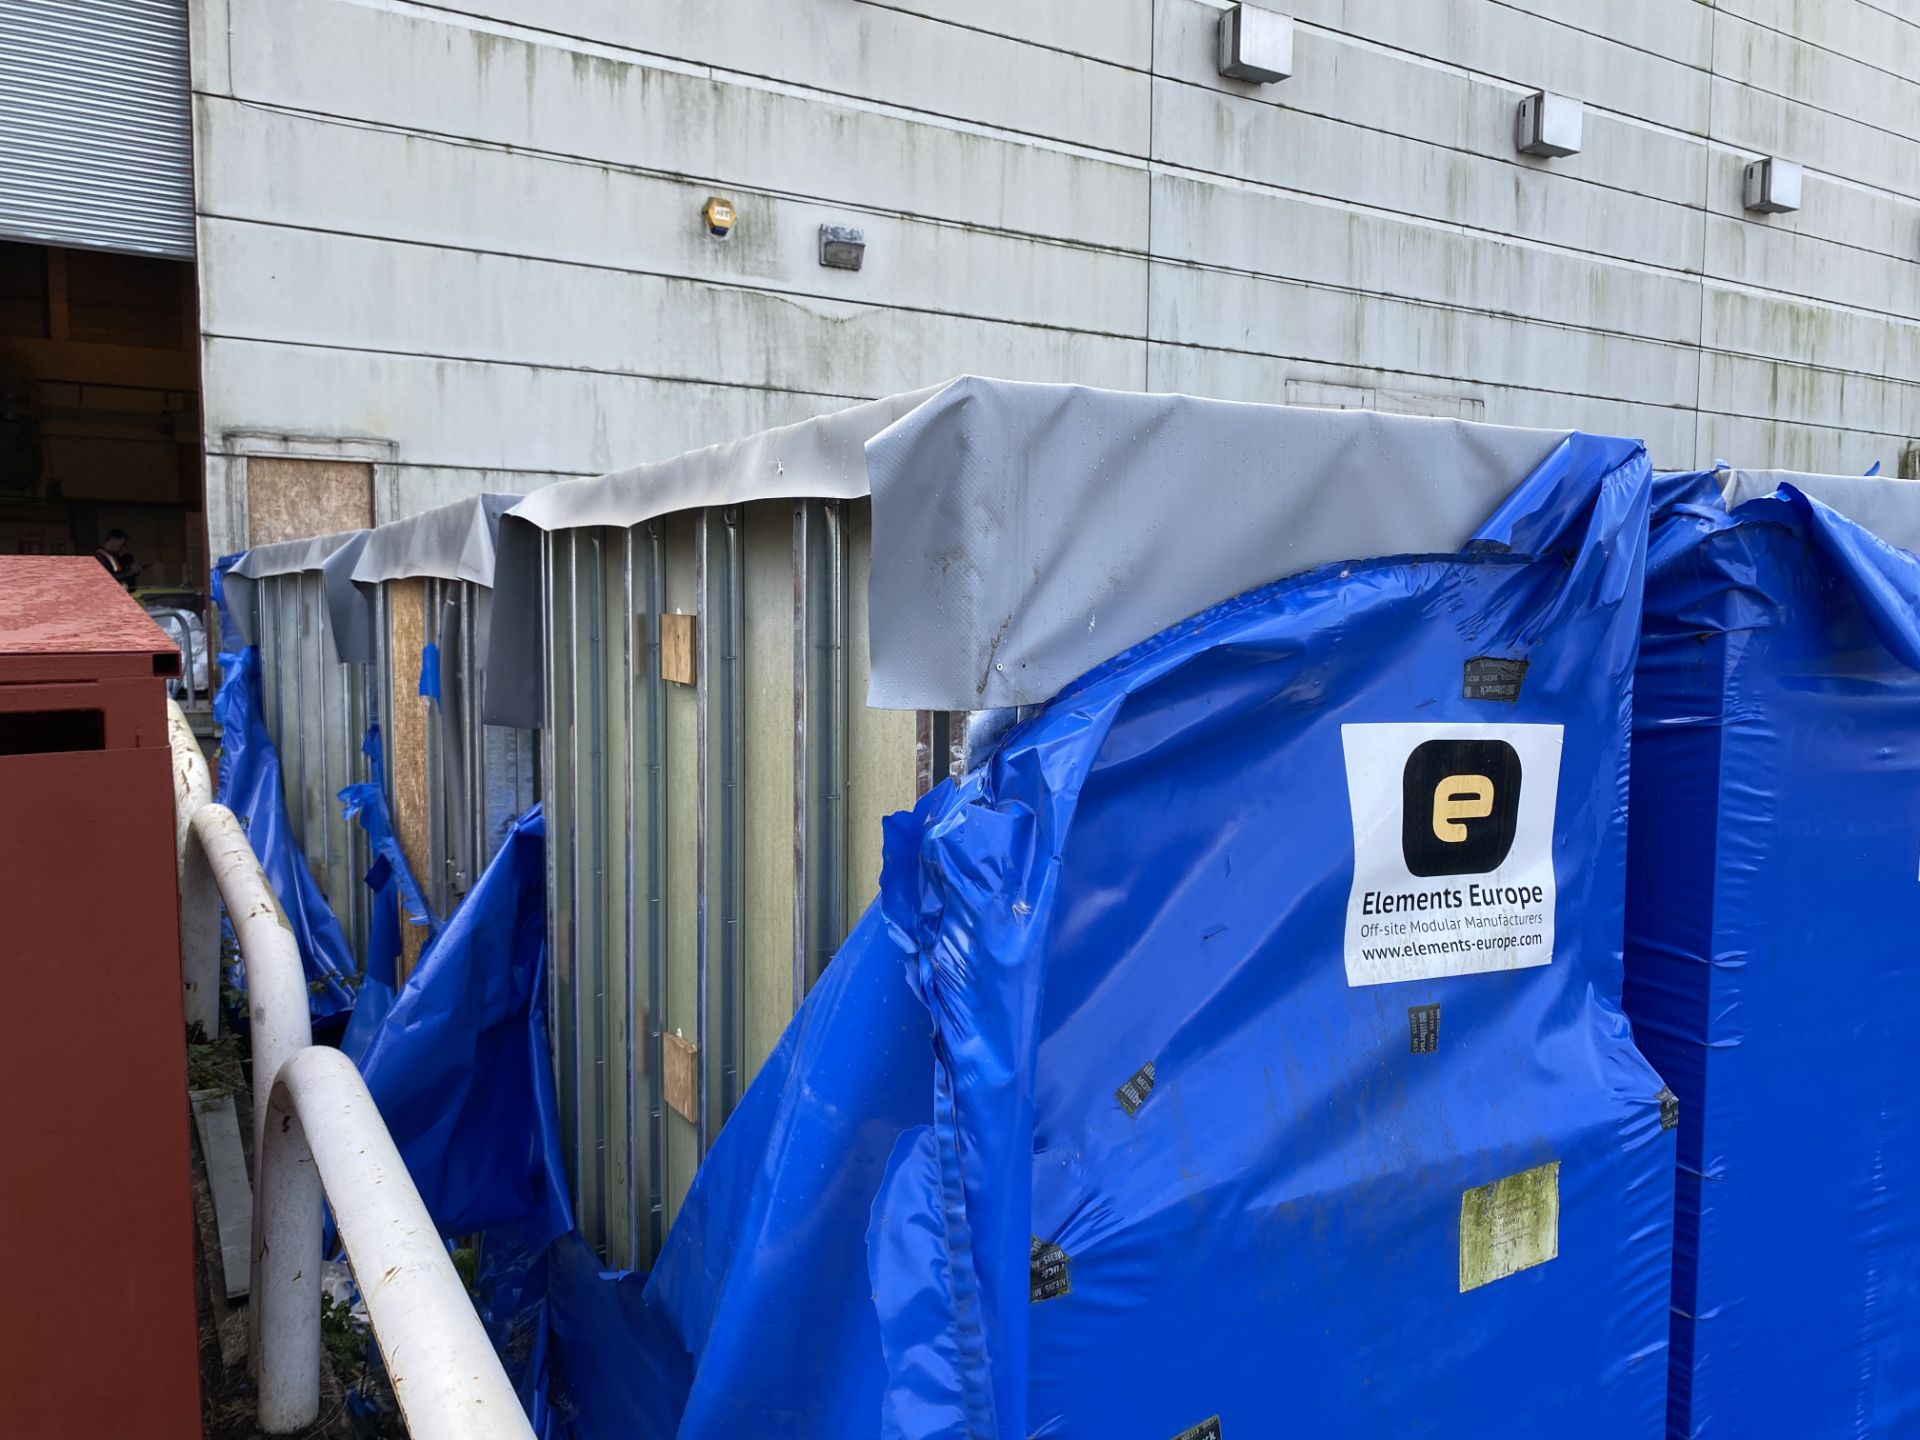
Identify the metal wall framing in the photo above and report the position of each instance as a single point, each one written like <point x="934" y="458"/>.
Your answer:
<point x="472" y="779"/>
<point x="717" y="788"/>
<point x="316" y="710"/>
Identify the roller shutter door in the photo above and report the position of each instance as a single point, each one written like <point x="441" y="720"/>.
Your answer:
<point x="96" y="131"/>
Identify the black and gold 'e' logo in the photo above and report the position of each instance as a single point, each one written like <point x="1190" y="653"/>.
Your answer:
<point x="1459" y="806"/>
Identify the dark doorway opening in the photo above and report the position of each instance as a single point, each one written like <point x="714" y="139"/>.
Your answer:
<point x="100" y="423"/>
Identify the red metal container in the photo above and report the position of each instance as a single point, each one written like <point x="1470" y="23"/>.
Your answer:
<point x="98" y="1335"/>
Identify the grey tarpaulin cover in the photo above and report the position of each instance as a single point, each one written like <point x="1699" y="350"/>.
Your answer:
<point x="823" y="458"/>
<point x="347" y="611"/>
<point x="288" y="557"/>
<point x="1888" y="507"/>
<point x="1023" y="533"/>
<point x="452" y="542"/>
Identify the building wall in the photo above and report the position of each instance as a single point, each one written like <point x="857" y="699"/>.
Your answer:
<point x="462" y="241"/>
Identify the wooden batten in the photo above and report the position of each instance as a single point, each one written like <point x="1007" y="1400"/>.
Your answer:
<point x="680" y="1076"/>
<point x="406" y="748"/>
<point x="679" y="650"/>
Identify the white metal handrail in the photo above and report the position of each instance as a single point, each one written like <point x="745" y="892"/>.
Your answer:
<point x="199" y="915"/>
<point x="445" y="1377"/>
<point x="325" y="1132"/>
<point x="281" y="1024"/>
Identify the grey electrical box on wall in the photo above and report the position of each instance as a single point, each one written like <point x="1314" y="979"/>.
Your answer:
<point x="1772" y="186"/>
<point x="1547" y="124"/>
<point x="1255" y="44"/>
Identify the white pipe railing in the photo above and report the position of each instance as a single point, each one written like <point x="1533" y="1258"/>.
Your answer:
<point x="317" y="1126"/>
<point x="199" y="914"/>
<point x="445" y="1377"/>
<point x="282" y="1025"/>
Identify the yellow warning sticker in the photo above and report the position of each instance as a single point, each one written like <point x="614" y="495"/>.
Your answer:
<point x="1509" y="1226"/>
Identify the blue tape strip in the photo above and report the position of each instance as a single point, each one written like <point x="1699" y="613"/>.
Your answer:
<point x="430" y="671"/>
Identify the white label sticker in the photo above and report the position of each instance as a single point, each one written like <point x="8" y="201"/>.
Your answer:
<point x="1452" y="849"/>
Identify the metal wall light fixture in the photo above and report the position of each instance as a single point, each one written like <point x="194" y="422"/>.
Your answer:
<point x="1548" y="124"/>
<point x="842" y="247"/>
<point x="1255" y="44"/>
<point x="1771" y="186"/>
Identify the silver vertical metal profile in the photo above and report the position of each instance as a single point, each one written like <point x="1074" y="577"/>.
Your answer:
<point x="293" y="746"/>
<point x="593" y="608"/>
<point x="548" y="681"/>
<point x="703" y="821"/>
<point x="447" y="737"/>
<point x="839" y="773"/>
<point x="297" y="769"/>
<point x="486" y="832"/>
<point x="273" y="683"/>
<point x="632" y="948"/>
<point x="576" y="1009"/>
<point x="434" y="761"/>
<point x="802" y="743"/>
<point x="565" y="841"/>
<point x="730" y="801"/>
<point x="330" y="861"/>
<point x="265" y="632"/>
<point x="719" y="978"/>
<point x="478" y="808"/>
<point x="380" y="688"/>
<point x="353" y="726"/>
<point x="820" y="737"/>
<point x="653" y="550"/>
<point x="383" y="693"/>
<point x="309" y="753"/>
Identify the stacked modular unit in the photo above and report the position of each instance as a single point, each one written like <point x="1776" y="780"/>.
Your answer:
<point x="716" y="781"/>
<point x="421" y="592"/>
<point x="1771" y="970"/>
<point x="1252" y="1010"/>
<point x="316" y="703"/>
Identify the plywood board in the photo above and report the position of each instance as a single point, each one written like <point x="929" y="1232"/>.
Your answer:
<point x="289" y="498"/>
<point x="405" y="735"/>
<point x="678" y="658"/>
<point x="680" y="1083"/>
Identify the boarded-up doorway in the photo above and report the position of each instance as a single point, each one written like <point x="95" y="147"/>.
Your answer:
<point x="291" y="498"/>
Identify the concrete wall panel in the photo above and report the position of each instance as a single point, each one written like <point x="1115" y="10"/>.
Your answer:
<point x="1358" y="83"/>
<point x="466" y="413"/>
<point x="1234" y="375"/>
<point x="470" y="230"/>
<point x="333" y="57"/>
<point x="1289" y="320"/>
<point x="1232" y="136"/>
<point x="871" y="52"/>
<point x="1660" y="82"/>
<point x="487" y="200"/>
<point x="378" y="296"/>
<point x="1235" y="225"/>
<point x="1794" y="446"/>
